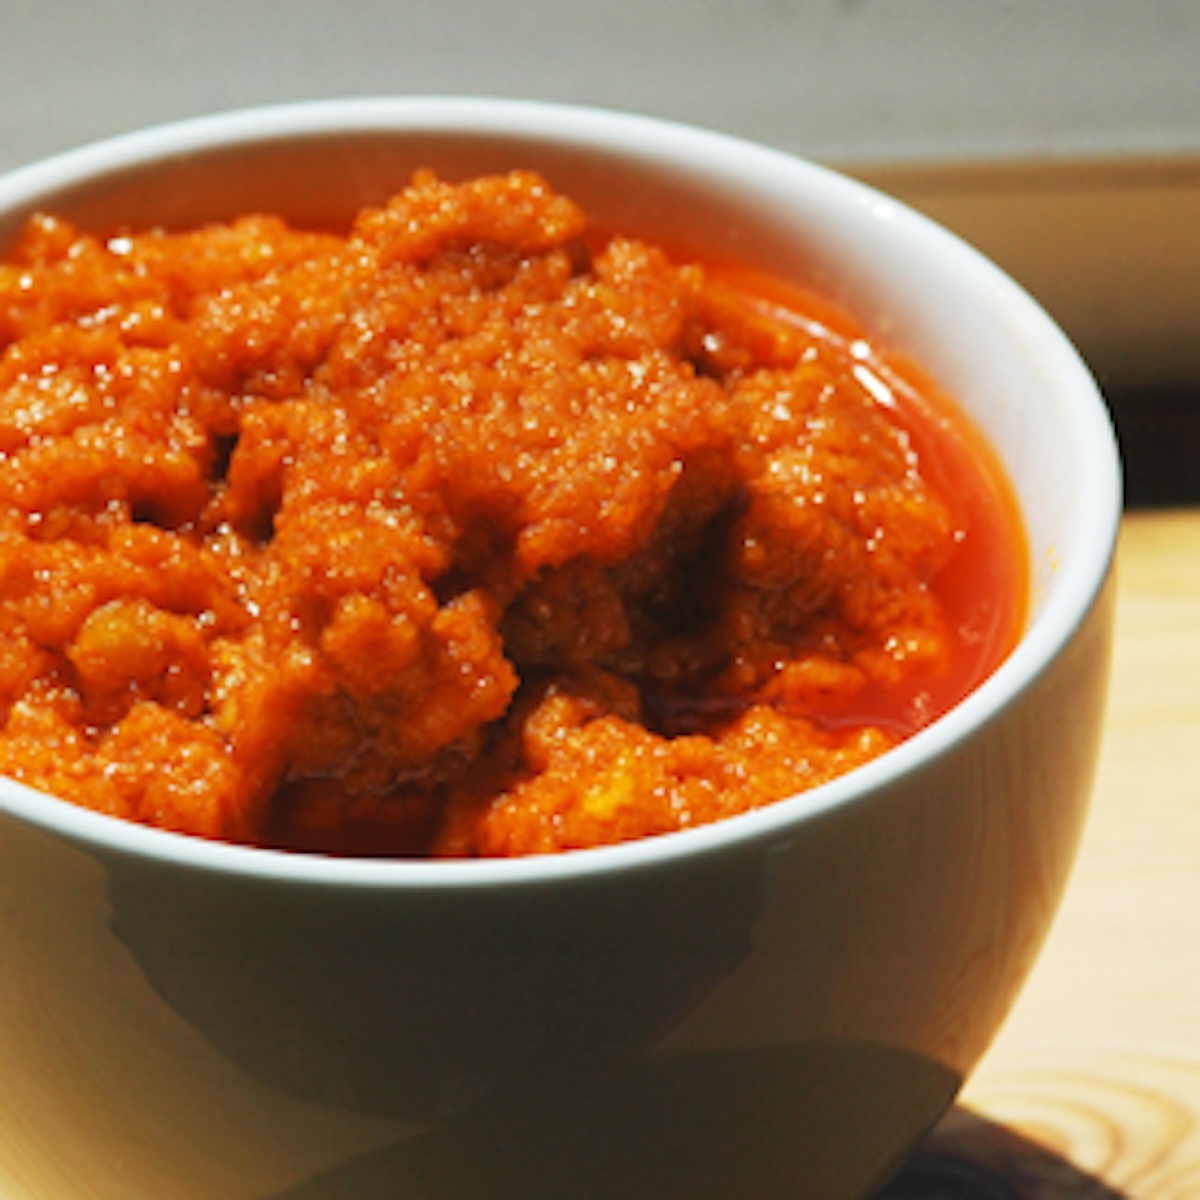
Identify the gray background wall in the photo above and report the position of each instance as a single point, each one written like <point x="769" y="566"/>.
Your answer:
<point x="838" y="79"/>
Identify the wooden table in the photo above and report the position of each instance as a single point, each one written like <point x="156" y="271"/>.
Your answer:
<point x="1093" y="1088"/>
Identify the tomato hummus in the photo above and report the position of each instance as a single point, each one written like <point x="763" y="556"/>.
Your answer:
<point x="464" y="532"/>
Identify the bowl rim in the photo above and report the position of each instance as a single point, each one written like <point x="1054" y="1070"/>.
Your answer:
<point x="1092" y="549"/>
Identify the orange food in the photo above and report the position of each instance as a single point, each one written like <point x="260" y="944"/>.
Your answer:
<point x="458" y="534"/>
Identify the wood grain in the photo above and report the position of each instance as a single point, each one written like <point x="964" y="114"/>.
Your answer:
<point x="1093" y="1089"/>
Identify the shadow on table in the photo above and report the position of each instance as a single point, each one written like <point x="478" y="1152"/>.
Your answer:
<point x="971" y="1158"/>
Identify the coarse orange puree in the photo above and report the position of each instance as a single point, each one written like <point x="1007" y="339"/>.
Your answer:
<point x="466" y="532"/>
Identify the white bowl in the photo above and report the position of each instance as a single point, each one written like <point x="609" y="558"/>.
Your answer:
<point x="777" y="1005"/>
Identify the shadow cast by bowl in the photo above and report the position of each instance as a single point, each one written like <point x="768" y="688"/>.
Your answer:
<point x="971" y="1158"/>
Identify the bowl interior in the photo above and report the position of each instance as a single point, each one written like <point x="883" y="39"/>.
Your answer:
<point x="916" y="288"/>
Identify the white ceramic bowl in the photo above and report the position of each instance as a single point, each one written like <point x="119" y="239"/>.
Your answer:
<point x="775" y="1006"/>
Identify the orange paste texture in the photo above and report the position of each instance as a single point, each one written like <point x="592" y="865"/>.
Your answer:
<point x="453" y="534"/>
